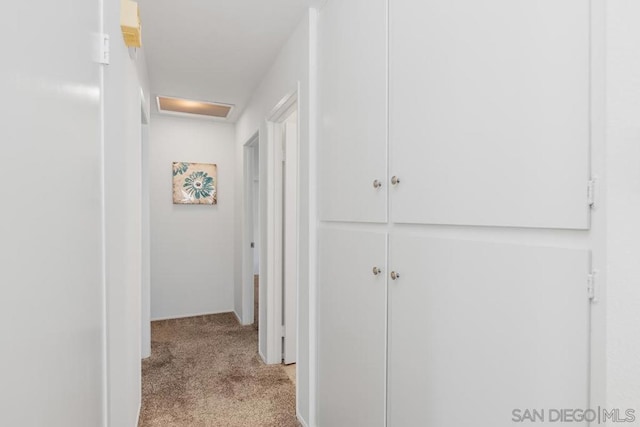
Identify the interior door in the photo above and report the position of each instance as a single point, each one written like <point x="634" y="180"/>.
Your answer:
<point x="352" y="95"/>
<point x="489" y="112"/>
<point x="351" y="328"/>
<point x="479" y="329"/>
<point x="290" y="228"/>
<point x="254" y="175"/>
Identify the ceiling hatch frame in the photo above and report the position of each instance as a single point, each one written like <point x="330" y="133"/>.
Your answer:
<point x="184" y="107"/>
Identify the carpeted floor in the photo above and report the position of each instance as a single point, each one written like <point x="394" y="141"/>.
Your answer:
<point x="205" y="372"/>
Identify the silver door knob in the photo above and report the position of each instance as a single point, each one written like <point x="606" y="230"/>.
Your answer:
<point x="395" y="180"/>
<point x="376" y="271"/>
<point x="395" y="275"/>
<point x="376" y="183"/>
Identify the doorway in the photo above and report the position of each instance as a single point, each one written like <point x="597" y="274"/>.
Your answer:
<point x="251" y="283"/>
<point x="282" y="244"/>
<point x="271" y="170"/>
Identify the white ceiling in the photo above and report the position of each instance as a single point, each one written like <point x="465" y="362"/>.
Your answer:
<point x="214" y="50"/>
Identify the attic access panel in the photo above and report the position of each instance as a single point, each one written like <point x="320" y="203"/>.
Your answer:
<point x="187" y="106"/>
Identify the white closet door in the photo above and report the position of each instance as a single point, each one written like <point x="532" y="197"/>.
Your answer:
<point x="352" y="144"/>
<point x="489" y="112"/>
<point x="478" y="329"/>
<point x="352" y="328"/>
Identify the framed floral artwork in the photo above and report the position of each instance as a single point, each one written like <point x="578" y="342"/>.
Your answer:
<point x="195" y="183"/>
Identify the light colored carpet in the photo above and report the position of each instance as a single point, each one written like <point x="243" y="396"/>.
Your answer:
<point x="290" y="370"/>
<point x="205" y="372"/>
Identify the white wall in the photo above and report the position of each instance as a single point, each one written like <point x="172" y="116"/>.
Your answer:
<point x="290" y="68"/>
<point x="124" y="78"/>
<point x="623" y="205"/>
<point x="192" y="254"/>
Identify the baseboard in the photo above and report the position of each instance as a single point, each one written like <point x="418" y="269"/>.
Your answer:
<point x="238" y="317"/>
<point x="191" y="315"/>
<point x="262" y="357"/>
<point x="139" y="411"/>
<point x="240" y="320"/>
<point x="302" y="421"/>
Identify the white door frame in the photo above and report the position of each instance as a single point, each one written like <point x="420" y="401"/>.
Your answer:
<point x="290" y="225"/>
<point x="274" y="244"/>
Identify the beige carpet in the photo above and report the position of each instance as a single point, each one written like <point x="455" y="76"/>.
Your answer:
<point x="205" y="372"/>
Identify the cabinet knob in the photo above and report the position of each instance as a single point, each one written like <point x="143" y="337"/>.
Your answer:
<point x="395" y="275"/>
<point x="376" y="183"/>
<point x="395" y="180"/>
<point x="376" y="271"/>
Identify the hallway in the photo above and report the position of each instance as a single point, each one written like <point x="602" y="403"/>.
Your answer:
<point x="205" y="372"/>
<point x="429" y="209"/>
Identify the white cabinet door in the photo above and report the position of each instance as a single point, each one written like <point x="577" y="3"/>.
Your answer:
<point x="478" y="330"/>
<point x="352" y="145"/>
<point x="351" y="328"/>
<point x="489" y="112"/>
